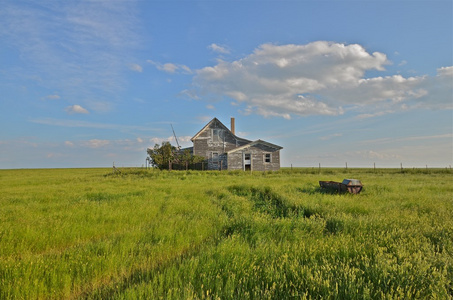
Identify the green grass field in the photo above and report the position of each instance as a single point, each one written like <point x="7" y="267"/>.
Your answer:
<point x="88" y="233"/>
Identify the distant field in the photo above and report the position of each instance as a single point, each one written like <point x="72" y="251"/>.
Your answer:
<point x="89" y="233"/>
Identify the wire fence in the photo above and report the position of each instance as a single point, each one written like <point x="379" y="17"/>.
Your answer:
<point x="203" y="166"/>
<point x="375" y="166"/>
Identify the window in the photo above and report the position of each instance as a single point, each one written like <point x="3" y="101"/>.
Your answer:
<point x="267" y="157"/>
<point x="215" y="156"/>
<point x="247" y="161"/>
<point x="216" y="134"/>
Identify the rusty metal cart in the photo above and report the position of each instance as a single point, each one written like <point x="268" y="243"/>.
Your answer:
<point x="353" y="186"/>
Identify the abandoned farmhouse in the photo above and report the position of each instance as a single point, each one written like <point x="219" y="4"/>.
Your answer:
<point x="224" y="150"/>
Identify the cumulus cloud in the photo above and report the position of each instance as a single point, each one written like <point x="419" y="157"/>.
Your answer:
<point x="76" y="109"/>
<point x="445" y="71"/>
<point x="319" y="78"/>
<point x="219" y="49"/>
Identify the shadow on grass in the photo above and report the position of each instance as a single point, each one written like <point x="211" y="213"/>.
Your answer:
<point x="319" y="190"/>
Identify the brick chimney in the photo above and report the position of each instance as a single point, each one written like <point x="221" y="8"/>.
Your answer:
<point x="232" y="125"/>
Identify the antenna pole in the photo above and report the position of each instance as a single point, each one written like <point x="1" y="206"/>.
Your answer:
<point x="179" y="147"/>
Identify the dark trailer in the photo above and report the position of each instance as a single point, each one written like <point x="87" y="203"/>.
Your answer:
<point x="353" y="186"/>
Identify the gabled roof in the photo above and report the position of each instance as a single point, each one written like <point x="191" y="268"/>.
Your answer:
<point x="221" y="125"/>
<point x="206" y="126"/>
<point x="276" y="147"/>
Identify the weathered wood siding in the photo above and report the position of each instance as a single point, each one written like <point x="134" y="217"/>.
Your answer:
<point x="213" y="142"/>
<point x="258" y="158"/>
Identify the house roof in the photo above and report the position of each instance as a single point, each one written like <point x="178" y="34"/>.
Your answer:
<point x="276" y="147"/>
<point x="206" y="126"/>
<point x="221" y="125"/>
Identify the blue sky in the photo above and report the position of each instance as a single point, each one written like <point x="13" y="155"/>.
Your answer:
<point x="89" y="83"/>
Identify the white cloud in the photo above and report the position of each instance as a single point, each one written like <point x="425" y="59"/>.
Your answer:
<point x="210" y="106"/>
<point x="189" y="93"/>
<point x="100" y="106"/>
<point x="156" y="140"/>
<point x="445" y="71"/>
<point x="171" y="67"/>
<point x="204" y="119"/>
<point x="81" y="48"/>
<point x="82" y="153"/>
<point x="370" y="154"/>
<point x="168" y="67"/>
<point x="53" y="97"/>
<point x="84" y="124"/>
<point x="134" y="145"/>
<point x="219" y="49"/>
<point x="378" y="114"/>
<point x="438" y="90"/>
<point x="53" y="155"/>
<point x="184" y="141"/>
<point x="136" y="68"/>
<point x="76" y="109"/>
<point x="95" y="143"/>
<point x="319" y="78"/>
<point x="447" y="137"/>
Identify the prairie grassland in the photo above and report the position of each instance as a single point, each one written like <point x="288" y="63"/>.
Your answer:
<point x="88" y="233"/>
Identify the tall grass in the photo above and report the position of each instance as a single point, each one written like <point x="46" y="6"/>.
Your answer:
<point x="91" y="233"/>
